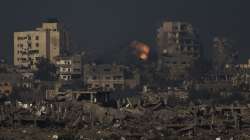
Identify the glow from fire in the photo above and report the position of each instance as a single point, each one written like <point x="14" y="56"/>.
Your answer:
<point x="142" y="50"/>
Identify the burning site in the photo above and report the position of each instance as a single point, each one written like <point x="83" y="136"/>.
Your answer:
<point x="127" y="70"/>
<point x="141" y="50"/>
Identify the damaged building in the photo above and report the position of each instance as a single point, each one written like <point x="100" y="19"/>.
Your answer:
<point x="223" y="53"/>
<point x="69" y="67"/>
<point x="179" y="48"/>
<point x="109" y="77"/>
<point x="48" y="41"/>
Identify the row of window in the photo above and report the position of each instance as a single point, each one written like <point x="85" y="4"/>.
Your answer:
<point x="28" y="52"/>
<point x="29" y="45"/>
<point x="175" y="63"/>
<point x="22" y="59"/>
<point x="4" y="84"/>
<point x="5" y="91"/>
<point x="108" y="78"/>
<point x="27" y="37"/>
<point x="108" y="69"/>
<point x="66" y="77"/>
<point x="69" y="70"/>
<point x="115" y="86"/>
<point x="65" y="69"/>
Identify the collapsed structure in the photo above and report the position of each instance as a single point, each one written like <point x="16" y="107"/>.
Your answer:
<point x="179" y="48"/>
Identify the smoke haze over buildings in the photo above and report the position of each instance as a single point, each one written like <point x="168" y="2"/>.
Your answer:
<point x="106" y="26"/>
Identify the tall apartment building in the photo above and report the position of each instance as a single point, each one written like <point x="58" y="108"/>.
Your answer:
<point x="48" y="41"/>
<point x="179" y="48"/>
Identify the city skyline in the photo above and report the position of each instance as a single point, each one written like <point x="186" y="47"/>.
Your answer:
<point x="95" y="25"/>
<point x="124" y="70"/>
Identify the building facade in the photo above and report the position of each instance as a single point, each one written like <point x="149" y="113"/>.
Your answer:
<point x="48" y="41"/>
<point x="69" y="68"/>
<point x="245" y="66"/>
<point x="179" y="48"/>
<point x="109" y="77"/>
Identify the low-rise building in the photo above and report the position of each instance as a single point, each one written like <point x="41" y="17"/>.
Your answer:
<point x="245" y="66"/>
<point x="109" y="77"/>
<point x="69" y="67"/>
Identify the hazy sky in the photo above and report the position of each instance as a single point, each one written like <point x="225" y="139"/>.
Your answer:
<point x="110" y="24"/>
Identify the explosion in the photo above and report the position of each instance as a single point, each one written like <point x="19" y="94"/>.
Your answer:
<point x="141" y="50"/>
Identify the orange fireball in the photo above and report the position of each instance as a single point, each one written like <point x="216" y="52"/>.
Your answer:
<point x="141" y="50"/>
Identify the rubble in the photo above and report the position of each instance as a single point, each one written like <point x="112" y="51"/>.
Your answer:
<point x="149" y="120"/>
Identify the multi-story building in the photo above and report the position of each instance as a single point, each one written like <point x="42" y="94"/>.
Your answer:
<point x="69" y="67"/>
<point x="245" y="66"/>
<point x="48" y="41"/>
<point x="109" y="77"/>
<point x="223" y="54"/>
<point x="179" y="48"/>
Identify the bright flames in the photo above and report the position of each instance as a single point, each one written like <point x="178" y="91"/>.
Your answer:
<point x="142" y="50"/>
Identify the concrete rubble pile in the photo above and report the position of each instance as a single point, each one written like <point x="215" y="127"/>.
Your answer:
<point x="151" y="119"/>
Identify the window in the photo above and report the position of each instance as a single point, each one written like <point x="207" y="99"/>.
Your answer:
<point x="34" y="51"/>
<point x="37" y="37"/>
<point x="67" y="62"/>
<point x="117" y="77"/>
<point x="107" y="86"/>
<point x="37" y="44"/>
<point x="29" y="44"/>
<point x="108" y="77"/>
<point x="77" y="70"/>
<point x="107" y="70"/>
<point x="38" y="58"/>
<point x="76" y="62"/>
<point x="118" y="86"/>
<point x="7" y="91"/>
<point x="6" y="84"/>
<point x="89" y="85"/>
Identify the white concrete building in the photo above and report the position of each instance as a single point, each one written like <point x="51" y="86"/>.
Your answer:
<point x="48" y="41"/>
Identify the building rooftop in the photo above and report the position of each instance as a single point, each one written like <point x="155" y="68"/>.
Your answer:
<point x="52" y="20"/>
